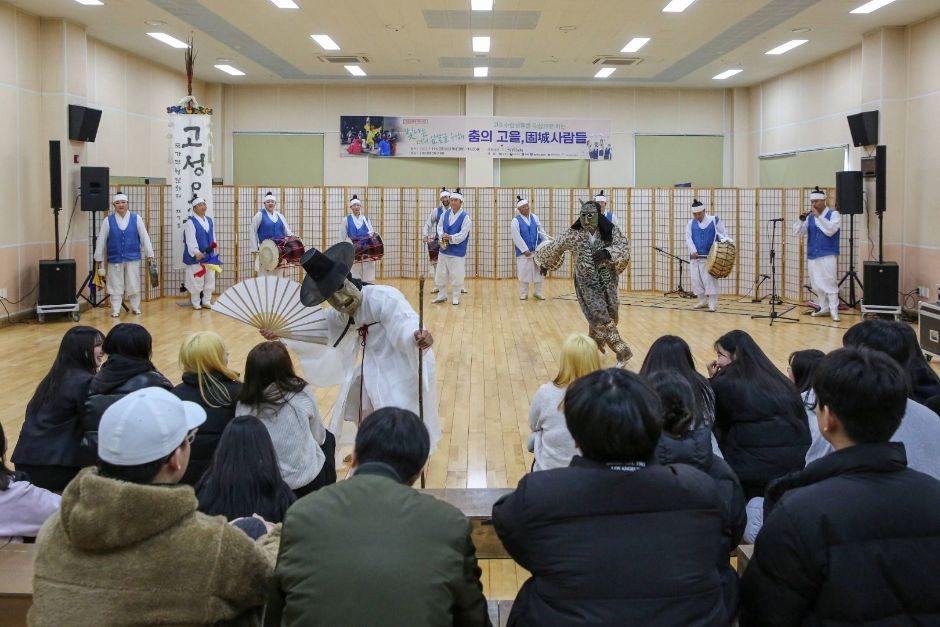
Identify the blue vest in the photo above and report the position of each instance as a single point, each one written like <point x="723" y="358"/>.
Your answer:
<point x="609" y="215"/>
<point x="352" y="232"/>
<point x="452" y="228"/>
<point x="819" y="244"/>
<point x="703" y="238"/>
<point x="529" y="233"/>
<point x="123" y="245"/>
<point x="203" y="239"/>
<point x="269" y="229"/>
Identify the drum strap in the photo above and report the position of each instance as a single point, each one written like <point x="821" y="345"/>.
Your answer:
<point x="363" y="336"/>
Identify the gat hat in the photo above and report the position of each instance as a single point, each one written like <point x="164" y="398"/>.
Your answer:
<point x="355" y="201"/>
<point x="120" y="196"/>
<point x="600" y="197"/>
<point x="817" y="194"/>
<point x="697" y="205"/>
<point x="521" y="202"/>
<point x="269" y="255"/>
<point x="326" y="272"/>
<point x="444" y="193"/>
<point x="456" y="195"/>
<point x="269" y="196"/>
<point x="146" y="426"/>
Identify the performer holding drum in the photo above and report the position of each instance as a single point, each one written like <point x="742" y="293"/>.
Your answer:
<point x="367" y="243"/>
<point x="269" y="224"/>
<point x="430" y="232"/>
<point x="702" y="234"/>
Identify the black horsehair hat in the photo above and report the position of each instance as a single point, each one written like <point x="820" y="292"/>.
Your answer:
<point x="326" y="272"/>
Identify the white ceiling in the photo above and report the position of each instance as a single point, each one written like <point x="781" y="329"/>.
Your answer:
<point x="534" y="42"/>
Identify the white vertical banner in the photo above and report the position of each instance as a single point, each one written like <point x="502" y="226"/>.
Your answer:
<point x="192" y="171"/>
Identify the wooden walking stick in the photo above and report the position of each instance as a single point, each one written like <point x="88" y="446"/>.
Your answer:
<point x="421" y="360"/>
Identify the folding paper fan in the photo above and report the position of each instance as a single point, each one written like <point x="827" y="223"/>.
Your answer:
<point x="273" y="303"/>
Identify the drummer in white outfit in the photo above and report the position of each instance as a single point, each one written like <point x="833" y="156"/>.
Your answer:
<point x="121" y="240"/>
<point x="268" y="223"/>
<point x="453" y="231"/>
<point x="430" y="228"/>
<point x="356" y="225"/>
<point x="701" y="232"/>
<point x="821" y="226"/>
<point x="527" y="233"/>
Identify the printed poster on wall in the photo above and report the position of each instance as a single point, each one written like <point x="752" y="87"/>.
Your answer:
<point x="460" y="137"/>
<point x="192" y="171"/>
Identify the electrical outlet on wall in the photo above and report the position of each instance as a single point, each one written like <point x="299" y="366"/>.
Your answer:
<point x="923" y="291"/>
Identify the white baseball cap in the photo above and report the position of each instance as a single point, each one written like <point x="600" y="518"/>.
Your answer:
<point x="144" y="426"/>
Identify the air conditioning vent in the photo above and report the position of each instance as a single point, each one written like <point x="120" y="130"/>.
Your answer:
<point x="344" y="59"/>
<point x="618" y="61"/>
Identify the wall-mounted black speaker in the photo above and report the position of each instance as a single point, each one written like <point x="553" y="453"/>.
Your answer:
<point x="55" y="175"/>
<point x="864" y="128"/>
<point x="881" y="179"/>
<point x="849" y="192"/>
<point x="57" y="282"/>
<point x="83" y="123"/>
<point x="881" y="283"/>
<point x="95" y="189"/>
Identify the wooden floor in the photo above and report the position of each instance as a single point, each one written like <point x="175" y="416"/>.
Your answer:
<point x="493" y="351"/>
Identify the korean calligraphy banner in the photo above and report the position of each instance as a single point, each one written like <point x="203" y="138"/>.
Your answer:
<point x="192" y="171"/>
<point x="460" y="136"/>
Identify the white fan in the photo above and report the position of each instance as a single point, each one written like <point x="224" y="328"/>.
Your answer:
<point x="273" y="303"/>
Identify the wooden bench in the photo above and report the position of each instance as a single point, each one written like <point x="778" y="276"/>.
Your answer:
<point x="477" y="505"/>
<point x="499" y="612"/>
<point x="16" y="583"/>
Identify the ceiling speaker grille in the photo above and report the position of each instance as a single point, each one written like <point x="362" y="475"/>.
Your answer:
<point x="618" y="61"/>
<point x="345" y="59"/>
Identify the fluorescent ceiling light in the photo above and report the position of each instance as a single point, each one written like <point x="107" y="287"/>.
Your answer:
<point x="168" y="40"/>
<point x="481" y="44"/>
<point x="355" y="70"/>
<point x="869" y="7"/>
<point x="285" y="4"/>
<point x="481" y="72"/>
<point x="325" y="41"/>
<point x="604" y="72"/>
<point x="726" y="74"/>
<point x="228" y="69"/>
<point x="481" y="5"/>
<point x="635" y="44"/>
<point x="787" y="47"/>
<point x="91" y="3"/>
<point x="677" y="6"/>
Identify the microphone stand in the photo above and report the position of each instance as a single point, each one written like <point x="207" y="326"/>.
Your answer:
<point x="679" y="291"/>
<point x="773" y="315"/>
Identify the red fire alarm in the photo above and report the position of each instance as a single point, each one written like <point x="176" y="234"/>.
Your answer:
<point x="74" y="158"/>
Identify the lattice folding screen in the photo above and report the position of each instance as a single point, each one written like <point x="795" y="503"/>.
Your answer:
<point x="649" y="217"/>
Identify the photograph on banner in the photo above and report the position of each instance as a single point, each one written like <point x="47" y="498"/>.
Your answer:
<point x="462" y="136"/>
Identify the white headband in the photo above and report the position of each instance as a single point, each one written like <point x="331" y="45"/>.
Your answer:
<point x="456" y="196"/>
<point x="196" y="201"/>
<point x="445" y="193"/>
<point x="600" y="198"/>
<point x="697" y="206"/>
<point x="522" y="202"/>
<point x="270" y="196"/>
<point x="120" y="196"/>
<point x="355" y="201"/>
<point x="817" y="196"/>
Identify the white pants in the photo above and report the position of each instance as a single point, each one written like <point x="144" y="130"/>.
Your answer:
<point x="450" y="273"/>
<point x="704" y="285"/>
<point x="123" y="279"/>
<point x="197" y="284"/>
<point x="822" y="276"/>
<point x="528" y="272"/>
<point x="364" y="271"/>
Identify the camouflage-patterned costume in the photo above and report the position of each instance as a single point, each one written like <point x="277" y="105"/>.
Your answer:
<point x="595" y="283"/>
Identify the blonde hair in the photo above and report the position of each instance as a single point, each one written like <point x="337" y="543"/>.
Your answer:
<point x="201" y="354"/>
<point x="579" y="356"/>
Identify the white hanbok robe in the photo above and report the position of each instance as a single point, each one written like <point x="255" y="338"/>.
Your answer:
<point x="525" y="266"/>
<point x="703" y="284"/>
<point x="362" y="270"/>
<point x="255" y="243"/>
<point x="823" y="271"/>
<point x="123" y="279"/>
<point x="451" y="270"/>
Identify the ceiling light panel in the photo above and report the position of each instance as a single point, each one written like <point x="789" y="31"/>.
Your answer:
<point x="285" y="4"/>
<point x="481" y="5"/>
<point x="481" y="44"/>
<point x="90" y="3"/>
<point x="605" y="72"/>
<point x="635" y="44"/>
<point x="169" y="40"/>
<point x="481" y="72"/>
<point x="787" y="47"/>
<point x="726" y="74"/>
<point x="355" y="70"/>
<point x="677" y="6"/>
<point x="869" y="7"/>
<point x="228" y="69"/>
<point x="326" y="42"/>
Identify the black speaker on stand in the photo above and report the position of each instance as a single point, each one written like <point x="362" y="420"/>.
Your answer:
<point x="56" y="276"/>
<point x="94" y="193"/>
<point x="849" y="194"/>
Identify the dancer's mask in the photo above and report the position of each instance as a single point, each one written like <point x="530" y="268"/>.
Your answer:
<point x="346" y="299"/>
<point x="589" y="212"/>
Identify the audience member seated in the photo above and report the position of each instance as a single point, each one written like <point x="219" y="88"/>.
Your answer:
<point x="683" y="443"/>
<point x="129" y="547"/>
<point x="853" y="538"/>
<point x="550" y="441"/>
<point x="671" y="352"/>
<point x="287" y="407"/>
<point x="243" y="478"/>
<point x="920" y="428"/>
<point x="615" y="539"/>
<point x="925" y="383"/>
<point x="370" y="550"/>
<point x="211" y="384"/>
<point x="24" y="507"/>
<point x="48" y="447"/>
<point x="760" y="421"/>
<point x="801" y="366"/>
<point x="128" y="368"/>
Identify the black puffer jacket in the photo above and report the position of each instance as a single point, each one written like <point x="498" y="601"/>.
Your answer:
<point x="762" y="439"/>
<point x="118" y="377"/>
<point x="695" y="449"/>
<point x="853" y="539"/>
<point x="207" y="438"/>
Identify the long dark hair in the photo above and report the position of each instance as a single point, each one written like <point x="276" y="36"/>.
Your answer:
<point x="757" y="375"/>
<point x="268" y="363"/>
<point x="76" y="352"/>
<point x="916" y="362"/>
<point x="129" y="340"/>
<point x="677" y="398"/>
<point x="672" y="353"/>
<point x="802" y="365"/>
<point x="243" y="478"/>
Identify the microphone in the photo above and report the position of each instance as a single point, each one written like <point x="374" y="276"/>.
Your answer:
<point x="775" y="220"/>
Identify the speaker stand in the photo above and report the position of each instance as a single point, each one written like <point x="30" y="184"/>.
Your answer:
<point x="851" y="275"/>
<point x="89" y="282"/>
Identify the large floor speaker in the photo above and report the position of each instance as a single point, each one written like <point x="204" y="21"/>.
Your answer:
<point x="57" y="282"/>
<point x="881" y="283"/>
